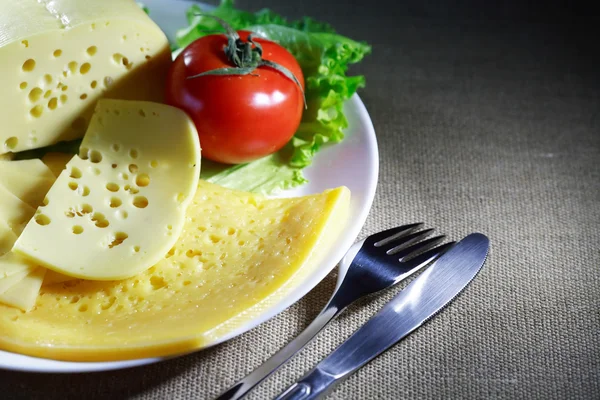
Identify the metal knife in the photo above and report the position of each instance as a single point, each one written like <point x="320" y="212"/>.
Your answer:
<point x="425" y="296"/>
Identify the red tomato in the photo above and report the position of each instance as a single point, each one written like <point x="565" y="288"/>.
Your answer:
<point x="238" y="118"/>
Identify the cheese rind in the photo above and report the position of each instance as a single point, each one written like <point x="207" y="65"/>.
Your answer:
<point x="59" y="57"/>
<point x="117" y="209"/>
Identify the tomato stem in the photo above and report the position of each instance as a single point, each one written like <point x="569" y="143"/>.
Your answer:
<point x="246" y="56"/>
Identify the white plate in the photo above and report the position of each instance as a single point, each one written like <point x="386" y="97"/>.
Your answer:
<point x="353" y="163"/>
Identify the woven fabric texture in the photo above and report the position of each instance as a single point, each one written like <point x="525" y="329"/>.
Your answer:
<point x="487" y="120"/>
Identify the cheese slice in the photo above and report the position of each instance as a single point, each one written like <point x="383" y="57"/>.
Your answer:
<point x="56" y="161"/>
<point x="119" y="206"/>
<point x="59" y="57"/>
<point x="33" y="167"/>
<point x="7" y="238"/>
<point x="12" y="263"/>
<point x="9" y="281"/>
<point x="14" y="211"/>
<point x="26" y="180"/>
<point x="238" y="253"/>
<point x="23" y="294"/>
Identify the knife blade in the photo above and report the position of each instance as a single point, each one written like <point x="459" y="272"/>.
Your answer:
<point x="422" y="299"/>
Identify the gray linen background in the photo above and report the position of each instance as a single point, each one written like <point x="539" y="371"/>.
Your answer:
<point x="488" y="119"/>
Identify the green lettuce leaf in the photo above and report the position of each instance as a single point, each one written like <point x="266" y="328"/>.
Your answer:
<point x="324" y="57"/>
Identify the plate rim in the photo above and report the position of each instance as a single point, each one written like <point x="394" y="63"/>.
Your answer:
<point x="343" y="244"/>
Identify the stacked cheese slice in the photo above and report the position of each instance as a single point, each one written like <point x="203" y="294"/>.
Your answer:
<point x="23" y="186"/>
<point x="114" y="210"/>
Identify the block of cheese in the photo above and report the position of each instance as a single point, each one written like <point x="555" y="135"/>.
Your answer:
<point x="29" y="180"/>
<point x="238" y="253"/>
<point x="13" y="211"/>
<point x="59" y="57"/>
<point x="120" y="205"/>
<point x="24" y="293"/>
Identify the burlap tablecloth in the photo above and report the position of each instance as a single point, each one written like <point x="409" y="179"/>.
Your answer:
<point x="488" y="119"/>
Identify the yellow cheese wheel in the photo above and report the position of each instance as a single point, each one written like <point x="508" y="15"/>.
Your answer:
<point x="238" y="253"/>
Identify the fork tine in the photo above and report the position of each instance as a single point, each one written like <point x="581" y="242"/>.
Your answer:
<point x="417" y="248"/>
<point x="403" y="241"/>
<point x="425" y="258"/>
<point x="389" y="235"/>
<point x="416" y="263"/>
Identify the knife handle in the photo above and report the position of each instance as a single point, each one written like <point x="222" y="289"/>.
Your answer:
<point x="312" y="386"/>
<point x="368" y="342"/>
<point x="241" y="388"/>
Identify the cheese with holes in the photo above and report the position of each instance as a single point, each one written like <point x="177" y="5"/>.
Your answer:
<point x="120" y="205"/>
<point x="59" y="57"/>
<point x="29" y="180"/>
<point x="238" y="254"/>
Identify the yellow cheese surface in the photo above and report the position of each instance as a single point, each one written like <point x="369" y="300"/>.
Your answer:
<point x="237" y="251"/>
<point x="120" y="206"/>
<point x="59" y="57"/>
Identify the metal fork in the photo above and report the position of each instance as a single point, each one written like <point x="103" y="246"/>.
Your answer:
<point x="383" y="260"/>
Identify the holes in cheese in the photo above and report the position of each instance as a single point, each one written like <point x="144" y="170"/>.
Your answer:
<point x="203" y="288"/>
<point x="98" y="209"/>
<point x="40" y="110"/>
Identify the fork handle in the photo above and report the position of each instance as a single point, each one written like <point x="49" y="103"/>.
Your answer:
<point x="241" y="388"/>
